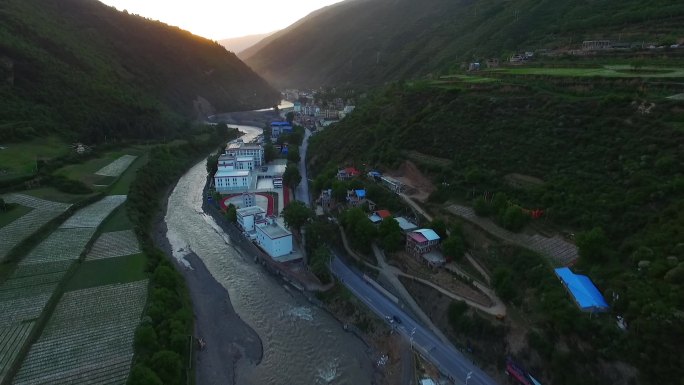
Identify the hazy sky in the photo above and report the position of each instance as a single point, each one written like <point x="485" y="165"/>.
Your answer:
<point x="219" y="19"/>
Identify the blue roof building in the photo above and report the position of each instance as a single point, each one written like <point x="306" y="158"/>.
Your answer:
<point x="583" y="291"/>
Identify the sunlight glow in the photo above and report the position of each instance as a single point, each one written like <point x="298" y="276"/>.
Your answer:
<point x="220" y="19"/>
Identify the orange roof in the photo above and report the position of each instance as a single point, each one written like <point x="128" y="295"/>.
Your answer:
<point x="383" y="213"/>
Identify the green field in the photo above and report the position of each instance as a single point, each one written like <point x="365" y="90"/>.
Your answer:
<point x="615" y="71"/>
<point x="85" y="172"/>
<point x="18" y="159"/>
<point x="117" y="221"/>
<point x="122" y="185"/>
<point x="52" y="194"/>
<point x="13" y="213"/>
<point x="108" y="271"/>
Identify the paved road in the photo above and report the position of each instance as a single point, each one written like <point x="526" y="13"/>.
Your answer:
<point x="302" y="190"/>
<point x="444" y="356"/>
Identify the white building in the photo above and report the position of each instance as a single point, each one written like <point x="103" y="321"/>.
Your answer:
<point x="231" y="180"/>
<point x="274" y="238"/>
<point x="248" y="217"/>
<point x="244" y="163"/>
<point x="238" y="148"/>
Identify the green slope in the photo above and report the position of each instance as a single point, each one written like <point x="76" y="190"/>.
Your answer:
<point x="85" y="70"/>
<point x="597" y="156"/>
<point x="373" y="41"/>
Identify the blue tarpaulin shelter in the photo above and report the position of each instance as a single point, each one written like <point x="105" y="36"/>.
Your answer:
<point x="586" y="295"/>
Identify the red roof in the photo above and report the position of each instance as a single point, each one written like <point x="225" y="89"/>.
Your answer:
<point x="351" y="171"/>
<point x="383" y="213"/>
<point x="418" y="237"/>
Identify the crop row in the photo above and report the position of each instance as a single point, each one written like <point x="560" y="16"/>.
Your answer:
<point x="36" y="203"/>
<point x="117" y="167"/>
<point x="88" y="339"/>
<point x="61" y="245"/>
<point x="12" y="338"/>
<point x="92" y="215"/>
<point x="115" y="244"/>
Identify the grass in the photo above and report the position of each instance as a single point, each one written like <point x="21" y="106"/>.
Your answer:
<point x="85" y="172"/>
<point x="122" y="185"/>
<point x="118" y="221"/>
<point x="52" y="194"/>
<point x="14" y="212"/>
<point x="20" y="158"/>
<point x="108" y="271"/>
<point x="626" y="71"/>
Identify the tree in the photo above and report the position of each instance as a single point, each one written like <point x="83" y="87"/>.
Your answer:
<point x="391" y="237"/>
<point x="270" y="152"/>
<point x="593" y="245"/>
<point x="440" y="227"/>
<point x="167" y="365"/>
<point x="231" y="213"/>
<point x="291" y="176"/>
<point x="296" y="214"/>
<point x="481" y="207"/>
<point x="289" y="117"/>
<point x="499" y="203"/>
<point x="142" y="375"/>
<point x="454" y="246"/>
<point x="339" y="190"/>
<point x="293" y="154"/>
<point x="3" y="205"/>
<point x="514" y="218"/>
<point x="319" y="264"/>
<point x="145" y="339"/>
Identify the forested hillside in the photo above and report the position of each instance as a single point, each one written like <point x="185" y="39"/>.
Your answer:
<point x="86" y="71"/>
<point x="605" y="157"/>
<point x="366" y="42"/>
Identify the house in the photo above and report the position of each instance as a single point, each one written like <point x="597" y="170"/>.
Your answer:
<point x="326" y="199"/>
<point x="347" y="173"/>
<point x="380" y="215"/>
<point x="422" y="244"/>
<point x="238" y="148"/>
<point x="595" y="45"/>
<point x="584" y="293"/>
<point x="406" y="225"/>
<point x="231" y="180"/>
<point x="474" y="66"/>
<point x="356" y="197"/>
<point x="392" y="184"/>
<point x="274" y="238"/>
<point x="248" y="217"/>
<point x="278" y="128"/>
<point x="492" y="63"/>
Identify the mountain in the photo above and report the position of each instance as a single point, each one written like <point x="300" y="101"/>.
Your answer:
<point x="85" y="70"/>
<point x="373" y="41"/>
<point x="239" y="44"/>
<point x="601" y="156"/>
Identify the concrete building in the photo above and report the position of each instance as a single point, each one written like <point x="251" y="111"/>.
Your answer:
<point x="356" y="197"/>
<point x="248" y="217"/>
<point x="231" y="180"/>
<point x="238" y="148"/>
<point x="274" y="238"/>
<point x="279" y="128"/>
<point x="421" y="241"/>
<point x="392" y="184"/>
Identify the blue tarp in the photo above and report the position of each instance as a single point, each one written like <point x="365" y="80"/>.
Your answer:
<point x="280" y="124"/>
<point x="361" y="193"/>
<point x="586" y="295"/>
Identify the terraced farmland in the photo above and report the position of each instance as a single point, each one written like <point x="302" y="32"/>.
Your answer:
<point x="91" y="216"/>
<point x="117" y="167"/>
<point x="20" y="229"/>
<point x="61" y="245"/>
<point x="12" y="338"/>
<point x="114" y="244"/>
<point x="89" y="339"/>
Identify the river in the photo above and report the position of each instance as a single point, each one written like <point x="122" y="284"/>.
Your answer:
<point x="302" y="344"/>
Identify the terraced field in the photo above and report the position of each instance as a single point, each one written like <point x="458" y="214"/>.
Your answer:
<point x="117" y="167"/>
<point x="42" y="212"/>
<point x="24" y="295"/>
<point x="114" y="244"/>
<point x="89" y="339"/>
<point x="91" y="216"/>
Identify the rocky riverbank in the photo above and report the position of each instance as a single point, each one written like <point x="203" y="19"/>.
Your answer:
<point x="228" y="338"/>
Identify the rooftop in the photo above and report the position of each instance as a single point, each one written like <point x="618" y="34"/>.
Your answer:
<point x="374" y="218"/>
<point x="251" y="210"/>
<point x="383" y="213"/>
<point x="586" y="295"/>
<point x="429" y="234"/>
<point x="405" y="224"/>
<point x="244" y="159"/>
<point x="417" y="237"/>
<point x="280" y="124"/>
<point x="231" y="173"/>
<point x="360" y="193"/>
<point x="274" y="230"/>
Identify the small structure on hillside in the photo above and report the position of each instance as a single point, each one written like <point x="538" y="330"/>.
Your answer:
<point x="392" y="184"/>
<point x="422" y="244"/>
<point x="378" y="216"/>
<point x="406" y="225"/>
<point x="347" y="173"/>
<point x="583" y="291"/>
<point x="356" y="197"/>
<point x="492" y="63"/>
<point x="279" y="128"/>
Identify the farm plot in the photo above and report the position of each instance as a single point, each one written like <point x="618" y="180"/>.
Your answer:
<point x="20" y="229"/>
<point x="93" y="215"/>
<point x="117" y="167"/>
<point x="114" y="244"/>
<point x="12" y="338"/>
<point x="89" y="339"/>
<point x="61" y="245"/>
